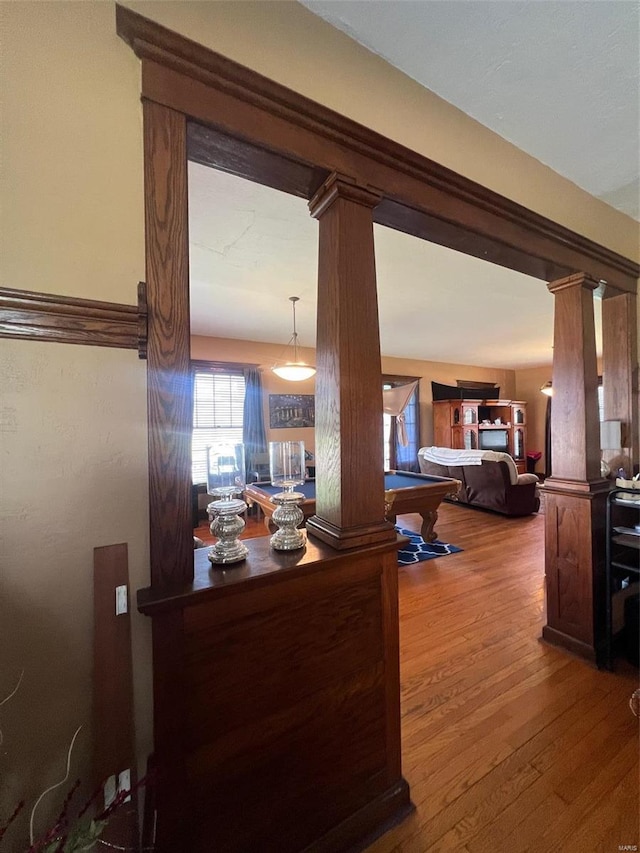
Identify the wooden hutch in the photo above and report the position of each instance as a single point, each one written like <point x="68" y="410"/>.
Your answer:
<point x="482" y="425"/>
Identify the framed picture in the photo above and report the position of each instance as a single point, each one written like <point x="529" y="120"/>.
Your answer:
<point x="288" y="411"/>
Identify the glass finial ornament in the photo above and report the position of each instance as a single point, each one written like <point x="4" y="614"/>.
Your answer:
<point x="226" y="478"/>
<point x="286" y="466"/>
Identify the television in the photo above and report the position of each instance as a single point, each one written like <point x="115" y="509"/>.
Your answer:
<point x="453" y="392"/>
<point x="494" y="439"/>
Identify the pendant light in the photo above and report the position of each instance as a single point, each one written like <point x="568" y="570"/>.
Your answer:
<point x="294" y="371"/>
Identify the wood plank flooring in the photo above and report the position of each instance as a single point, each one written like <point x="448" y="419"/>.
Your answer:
<point x="508" y="743"/>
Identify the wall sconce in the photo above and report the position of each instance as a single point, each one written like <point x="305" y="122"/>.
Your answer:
<point x="547" y="388"/>
<point x="294" y="371"/>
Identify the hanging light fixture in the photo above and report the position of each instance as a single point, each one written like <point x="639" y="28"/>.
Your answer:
<point x="547" y="388"/>
<point x="294" y="371"/>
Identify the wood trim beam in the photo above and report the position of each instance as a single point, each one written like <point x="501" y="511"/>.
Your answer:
<point x="210" y="147"/>
<point x="29" y="315"/>
<point x="419" y="194"/>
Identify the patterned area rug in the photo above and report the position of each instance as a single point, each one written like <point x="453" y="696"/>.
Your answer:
<point x="418" y="550"/>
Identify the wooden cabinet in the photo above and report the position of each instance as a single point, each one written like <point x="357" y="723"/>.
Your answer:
<point x="482" y="425"/>
<point x="622" y="568"/>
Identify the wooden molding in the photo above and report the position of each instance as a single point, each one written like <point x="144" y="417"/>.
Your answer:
<point x="577" y="280"/>
<point x="29" y="315"/>
<point x="340" y="186"/>
<point x="306" y="140"/>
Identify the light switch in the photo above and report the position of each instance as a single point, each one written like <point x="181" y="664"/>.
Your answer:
<point x="121" y="600"/>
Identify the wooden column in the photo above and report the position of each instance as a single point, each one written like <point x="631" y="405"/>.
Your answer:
<point x="620" y="375"/>
<point x="168" y="375"/>
<point x="350" y="486"/>
<point x="575" y="492"/>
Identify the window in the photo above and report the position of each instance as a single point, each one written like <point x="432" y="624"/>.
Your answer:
<point x="600" y="400"/>
<point x="387" y="421"/>
<point x="218" y="403"/>
<point x="395" y="455"/>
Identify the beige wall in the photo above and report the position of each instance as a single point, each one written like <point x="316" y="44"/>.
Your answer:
<point x="73" y="224"/>
<point x="74" y="477"/>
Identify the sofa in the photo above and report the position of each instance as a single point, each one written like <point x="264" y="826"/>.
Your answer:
<point x="490" y="479"/>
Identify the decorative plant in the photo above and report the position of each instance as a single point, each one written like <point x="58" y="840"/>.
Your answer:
<point x="70" y="832"/>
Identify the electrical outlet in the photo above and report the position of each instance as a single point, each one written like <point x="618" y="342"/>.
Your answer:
<point x="121" y="600"/>
<point x="109" y="791"/>
<point x="124" y="783"/>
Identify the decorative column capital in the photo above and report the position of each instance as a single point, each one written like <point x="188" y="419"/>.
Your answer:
<point x="342" y="186"/>
<point x="578" y="279"/>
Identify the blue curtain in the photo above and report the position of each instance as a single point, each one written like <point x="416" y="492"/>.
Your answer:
<point x="253" y="432"/>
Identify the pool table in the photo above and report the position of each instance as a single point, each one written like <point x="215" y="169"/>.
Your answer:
<point x="403" y="492"/>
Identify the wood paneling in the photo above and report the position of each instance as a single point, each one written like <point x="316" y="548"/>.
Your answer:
<point x="278" y="697"/>
<point x="574" y="571"/>
<point x="48" y="317"/>
<point x="421" y="197"/>
<point x="169" y="393"/>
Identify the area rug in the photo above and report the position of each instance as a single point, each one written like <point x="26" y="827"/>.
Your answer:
<point x="417" y="550"/>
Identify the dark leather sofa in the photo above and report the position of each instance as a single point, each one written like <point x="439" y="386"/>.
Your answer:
<point x="493" y="484"/>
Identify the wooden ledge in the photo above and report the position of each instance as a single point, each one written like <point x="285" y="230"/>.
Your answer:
<point x="577" y="488"/>
<point x="263" y="567"/>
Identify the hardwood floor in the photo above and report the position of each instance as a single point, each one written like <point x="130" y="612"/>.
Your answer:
<point x="508" y="743"/>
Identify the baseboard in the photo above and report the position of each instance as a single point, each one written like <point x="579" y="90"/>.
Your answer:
<point x="361" y="829"/>
<point x="577" y="647"/>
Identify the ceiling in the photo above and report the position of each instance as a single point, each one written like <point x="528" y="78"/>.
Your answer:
<point x="522" y="69"/>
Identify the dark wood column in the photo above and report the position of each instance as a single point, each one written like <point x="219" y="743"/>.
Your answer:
<point x="168" y="351"/>
<point x="575" y="492"/>
<point x="620" y="375"/>
<point x="350" y="486"/>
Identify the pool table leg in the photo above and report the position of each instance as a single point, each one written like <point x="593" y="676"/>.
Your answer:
<point x="429" y="518"/>
<point x="268" y="523"/>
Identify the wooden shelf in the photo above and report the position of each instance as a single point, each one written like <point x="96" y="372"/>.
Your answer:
<point x="622" y="547"/>
<point x="452" y="427"/>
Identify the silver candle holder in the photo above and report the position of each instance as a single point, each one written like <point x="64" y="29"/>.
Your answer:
<point x="226" y="477"/>
<point x="286" y="465"/>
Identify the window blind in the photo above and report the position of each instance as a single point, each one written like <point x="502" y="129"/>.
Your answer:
<point x="218" y="402"/>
